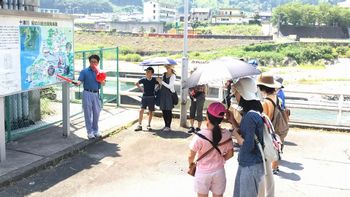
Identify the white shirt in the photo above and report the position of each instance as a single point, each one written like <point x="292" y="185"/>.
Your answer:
<point x="171" y="85"/>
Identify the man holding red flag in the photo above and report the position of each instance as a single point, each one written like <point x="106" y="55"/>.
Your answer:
<point x="92" y="80"/>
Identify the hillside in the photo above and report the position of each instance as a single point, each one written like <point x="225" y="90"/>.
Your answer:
<point x="89" y="6"/>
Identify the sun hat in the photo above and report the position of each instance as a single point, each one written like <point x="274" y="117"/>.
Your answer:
<point x="246" y="87"/>
<point x="253" y="62"/>
<point x="217" y="109"/>
<point x="280" y="80"/>
<point x="268" y="81"/>
<point x="170" y="66"/>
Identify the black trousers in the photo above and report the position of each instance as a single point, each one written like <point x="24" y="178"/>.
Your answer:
<point x="167" y="116"/>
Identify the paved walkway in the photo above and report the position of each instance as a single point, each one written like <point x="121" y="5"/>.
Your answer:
<point x="154" y="163"/>
<point x="48" y="146"/>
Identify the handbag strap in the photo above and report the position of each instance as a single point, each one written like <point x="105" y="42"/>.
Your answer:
<point x="206" y="153"/>
<point x="204" y="137"/>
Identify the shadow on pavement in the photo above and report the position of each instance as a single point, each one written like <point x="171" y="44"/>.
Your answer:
<point x="43" y="180"/>
<point x="174" y="134"/>
<point x="291" y="165"/>
<point x="290" y="176"/>
<point x="287" y="143"/>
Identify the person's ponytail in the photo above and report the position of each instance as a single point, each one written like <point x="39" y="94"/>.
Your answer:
<point x="217" y="135"/>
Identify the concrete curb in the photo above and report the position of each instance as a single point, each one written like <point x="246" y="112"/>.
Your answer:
<point x="54" y="159"/>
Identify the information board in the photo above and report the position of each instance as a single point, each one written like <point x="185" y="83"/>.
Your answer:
<point x="33" y="51"/>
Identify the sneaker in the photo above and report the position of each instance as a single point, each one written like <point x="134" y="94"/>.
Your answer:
<point x="166" y="129"/>
<point x="98" y="135"/>
<point x="275" y="171"/>
<point x="91" y="136"/>
<point x="198" y="129"/>
<point x="191" y="130"/>
<point x="138" y="128"/>
<point x="149" y="128"/>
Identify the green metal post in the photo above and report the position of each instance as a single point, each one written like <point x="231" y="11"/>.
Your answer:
<point x="84" y="66"/>
<point x="8" y="118"/>
<point x="101" y="67"/>
<point x="84" y="59"/>
<point x="117" y="75"/>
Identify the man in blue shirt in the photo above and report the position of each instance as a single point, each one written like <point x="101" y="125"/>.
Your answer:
<point x="91" y="97"/>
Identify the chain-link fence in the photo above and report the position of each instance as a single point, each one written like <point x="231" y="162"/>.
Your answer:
<point x="35" y="110"/>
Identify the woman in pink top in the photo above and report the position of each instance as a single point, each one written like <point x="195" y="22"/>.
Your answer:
<point x="210" y="173"/>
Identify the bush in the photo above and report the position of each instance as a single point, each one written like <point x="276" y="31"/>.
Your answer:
<point x="261" y="47"/>
<point x="342" y="50"/>
<point x="131" y="57"/>
<point x="347" y="55"/>
<point x="125" y="50"/>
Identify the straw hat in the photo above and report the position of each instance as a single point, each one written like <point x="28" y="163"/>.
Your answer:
<point x="268" y="81"/>
<point x="169" y="66"/>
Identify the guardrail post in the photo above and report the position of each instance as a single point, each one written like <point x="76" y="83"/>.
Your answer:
<point x="2" y="130"/>
<point x="117" y="76"/>
<point x="340" y="107"/>
<point x="8" y="118"/>
<point x="101" y="67"/>
<point x="66" y="109"/>
<point x="84" y="60"/>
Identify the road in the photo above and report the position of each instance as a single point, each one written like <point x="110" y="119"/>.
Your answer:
<point x="315" y="163"/>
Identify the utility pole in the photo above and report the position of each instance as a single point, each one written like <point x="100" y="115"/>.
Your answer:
<point x="184" y="76"/>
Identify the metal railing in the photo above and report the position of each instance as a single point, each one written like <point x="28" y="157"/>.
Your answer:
<point x="325" y="109"/>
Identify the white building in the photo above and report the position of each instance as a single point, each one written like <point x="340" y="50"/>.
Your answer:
<point x="345" y="4"/>
<point x="158" y="12"/>
<point x="229" y="16"/>
<point x="48" y="10"/>
<point x="200" y="14"/>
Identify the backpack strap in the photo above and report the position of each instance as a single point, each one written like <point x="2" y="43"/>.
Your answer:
<point x="274" y="106"/>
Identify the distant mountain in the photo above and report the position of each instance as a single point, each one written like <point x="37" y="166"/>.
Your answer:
<point x="89" y="6"/>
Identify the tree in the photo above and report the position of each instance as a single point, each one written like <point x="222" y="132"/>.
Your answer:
<point x="305" y="15"/>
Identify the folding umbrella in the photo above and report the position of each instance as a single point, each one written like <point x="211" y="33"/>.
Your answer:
<point x="158" y="61"/>
<point x="222" y="69"/>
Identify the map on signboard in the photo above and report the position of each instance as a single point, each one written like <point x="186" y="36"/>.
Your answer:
<point x="45" y="53"/>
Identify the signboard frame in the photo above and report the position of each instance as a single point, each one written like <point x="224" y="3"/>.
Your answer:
<point x="33" y="18"/>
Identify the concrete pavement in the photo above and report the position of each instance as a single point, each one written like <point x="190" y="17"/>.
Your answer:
<point x="315" y="163"/>
<point x="47" y="147"/>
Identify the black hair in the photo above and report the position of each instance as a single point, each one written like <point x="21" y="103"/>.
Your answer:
<point x="150" y="69"/>
<point x="69" y="45"/>
<point x="250" y="105"/>
<point x="266" y="89"/>
<point x="217" y="135"/>
<point x="96" y="57"/>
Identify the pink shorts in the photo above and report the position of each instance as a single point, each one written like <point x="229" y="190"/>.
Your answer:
<point x="214" y="182"/>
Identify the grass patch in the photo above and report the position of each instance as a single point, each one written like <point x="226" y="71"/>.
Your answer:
<point x="319" y="80"/>
<point x="244" y="30"/>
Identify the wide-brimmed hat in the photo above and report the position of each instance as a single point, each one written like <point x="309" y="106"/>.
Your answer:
<point x="170" y="66"/>
<point x="247" y="88"/>
<point x="268" y="81"/>
<point x="279" y="80"/>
